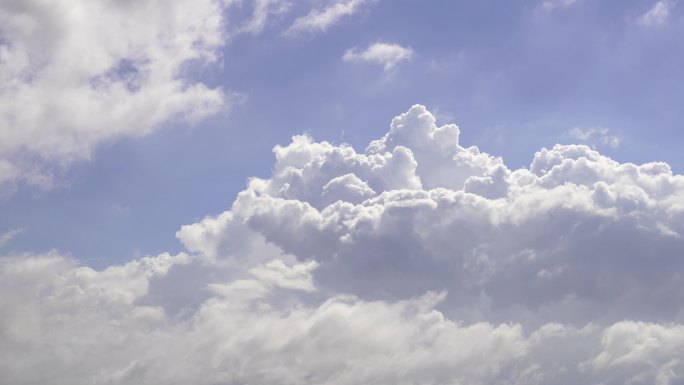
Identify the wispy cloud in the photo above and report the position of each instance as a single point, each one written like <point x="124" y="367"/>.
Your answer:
<point x="262" y="11"/>
<point x="595" y="136"/>
<point x="549" y="5"/>
<point x="388" y="55"/>
<point x="658" y="14"/>
<point x="7" y="237"/>
<point x="318" y="20"/>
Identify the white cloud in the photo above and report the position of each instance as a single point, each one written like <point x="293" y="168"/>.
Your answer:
<point x="654" y="349"/>
<point x="387" y="55"/>
<point x="8" y="236"/>
<point x="658" y="14"/>
<point x="627" y="343"/>
<point x="549" y="5"/>
<point x="81" y="326"/>
<point x="319" y="20"/>
<point x="262" y="11"/>
<point x="593" y="136"/>
<point x="417" y="260"/>
<point x="277" y="273"/>
<point x="77" y="73"/>
<point x="444" y="216"/>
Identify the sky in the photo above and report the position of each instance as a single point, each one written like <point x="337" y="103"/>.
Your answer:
<point x="341" y="192"/>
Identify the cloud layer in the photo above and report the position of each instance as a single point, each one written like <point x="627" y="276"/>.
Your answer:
<point x="417" y="260"/>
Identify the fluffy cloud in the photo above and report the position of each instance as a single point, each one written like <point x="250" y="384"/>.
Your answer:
<point x="415" y="260"/>
<point x="318" y="20"/>
<point x="416" y="211"/>
<point x="387" y="55"/>
<point x="651" y="351"/>
<point x="67" y="324"/>
<point x="81" y="326"/>
<point x="77" y="73"/>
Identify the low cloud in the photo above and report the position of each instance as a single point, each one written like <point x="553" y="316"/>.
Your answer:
<point x="63" y="323"/>
<point x="387" y="55"/>
<point x="417" y="259"/>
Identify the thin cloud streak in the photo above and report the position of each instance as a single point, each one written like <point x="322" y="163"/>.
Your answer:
<point x="319" y="20"/>
<point x="385" y="54"/>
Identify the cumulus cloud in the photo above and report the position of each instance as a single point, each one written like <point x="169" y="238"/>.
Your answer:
<point x="319" y="20"/>
<point x="656" y="350"/>
<point x="387" y="55"/>
<point x="658" y="14"/>
<point x="574" y="233"/>
<point x="415" y="260"/>
<point x="77" y="73"/>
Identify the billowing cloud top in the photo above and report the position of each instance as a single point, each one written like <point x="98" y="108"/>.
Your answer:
<point x="417" y="260"/>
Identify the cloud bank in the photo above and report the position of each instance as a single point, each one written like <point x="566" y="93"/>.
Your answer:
<point x="417" y="260"/>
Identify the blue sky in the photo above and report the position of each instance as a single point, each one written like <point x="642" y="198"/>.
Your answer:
<point x="341" y="191"/>
<point x="515" y="76"/>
